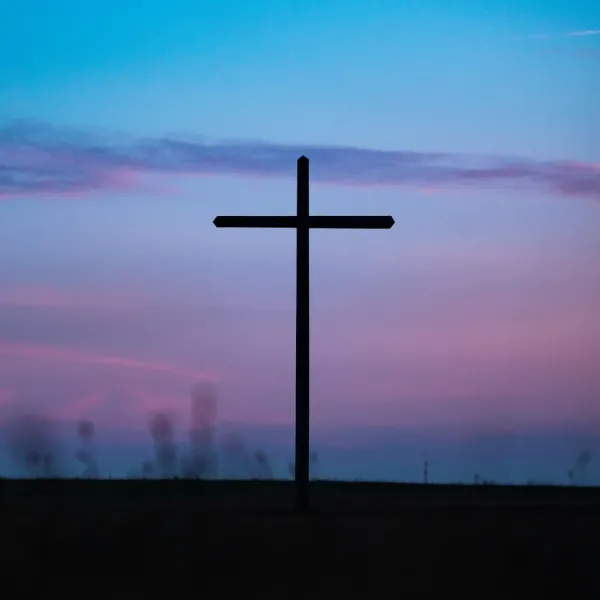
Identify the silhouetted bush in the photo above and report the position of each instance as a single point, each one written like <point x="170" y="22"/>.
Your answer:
<point x="33" y="445"/>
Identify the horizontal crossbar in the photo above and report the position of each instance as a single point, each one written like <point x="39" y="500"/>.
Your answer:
<point x="314" y="222"/>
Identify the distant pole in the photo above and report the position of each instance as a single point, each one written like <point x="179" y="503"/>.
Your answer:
<point x="303" y="222"/>
<point x="425" y="472"/>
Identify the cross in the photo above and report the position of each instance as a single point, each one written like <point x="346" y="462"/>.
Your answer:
<point x="303" y="222"/>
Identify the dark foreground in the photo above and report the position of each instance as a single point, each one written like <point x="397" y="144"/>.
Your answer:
<point x="359" y="540"/>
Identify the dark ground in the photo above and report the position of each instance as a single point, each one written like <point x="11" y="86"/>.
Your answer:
<point x="360" y="539"/>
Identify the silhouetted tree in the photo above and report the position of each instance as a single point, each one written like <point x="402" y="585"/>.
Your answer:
<point x="203" y="460"/>
<point x="162" y="431"/>
<point x="85" y="455"/>
<point x="264" y="467"/>
<point x="147" y="468"/>
<point x="582" y="460"/>
<point x="33" y="444"/>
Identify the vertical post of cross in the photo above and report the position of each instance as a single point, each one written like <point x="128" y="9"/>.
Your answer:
<point x="302" y="337"/>
<point x="303" y="223"/>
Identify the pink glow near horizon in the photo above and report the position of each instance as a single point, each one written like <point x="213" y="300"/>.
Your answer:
<point x="420" y="379"/>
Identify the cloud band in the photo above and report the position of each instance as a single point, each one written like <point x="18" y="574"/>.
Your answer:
<point x="38" y="160"/>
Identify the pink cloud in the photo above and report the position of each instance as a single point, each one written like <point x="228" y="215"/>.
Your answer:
<point x="53" y="353"/>
<point x="41" y="160"/>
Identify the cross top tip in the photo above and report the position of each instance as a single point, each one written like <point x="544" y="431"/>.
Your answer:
<point x="303" y="159"/>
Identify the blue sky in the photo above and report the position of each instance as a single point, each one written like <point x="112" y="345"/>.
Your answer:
<point x="477" y="313"/>
<point x="428" y="73"/>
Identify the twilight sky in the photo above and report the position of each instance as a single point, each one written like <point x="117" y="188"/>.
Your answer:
<point x="468" y="334"/>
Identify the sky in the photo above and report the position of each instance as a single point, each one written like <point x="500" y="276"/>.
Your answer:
<point x="468" y="335"/>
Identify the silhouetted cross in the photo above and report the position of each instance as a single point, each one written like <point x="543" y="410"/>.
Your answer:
<point x="303" y="223"/>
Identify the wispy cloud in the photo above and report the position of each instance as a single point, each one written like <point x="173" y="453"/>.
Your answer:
<point x="54" y="353"/>
<point x="38" y="160"/>
<point x="46" y="297"/>
<point x="563" y="34"/>
<point x="583" y="32"/>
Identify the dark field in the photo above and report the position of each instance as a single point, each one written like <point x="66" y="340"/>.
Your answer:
<point x="386" y="538"/>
